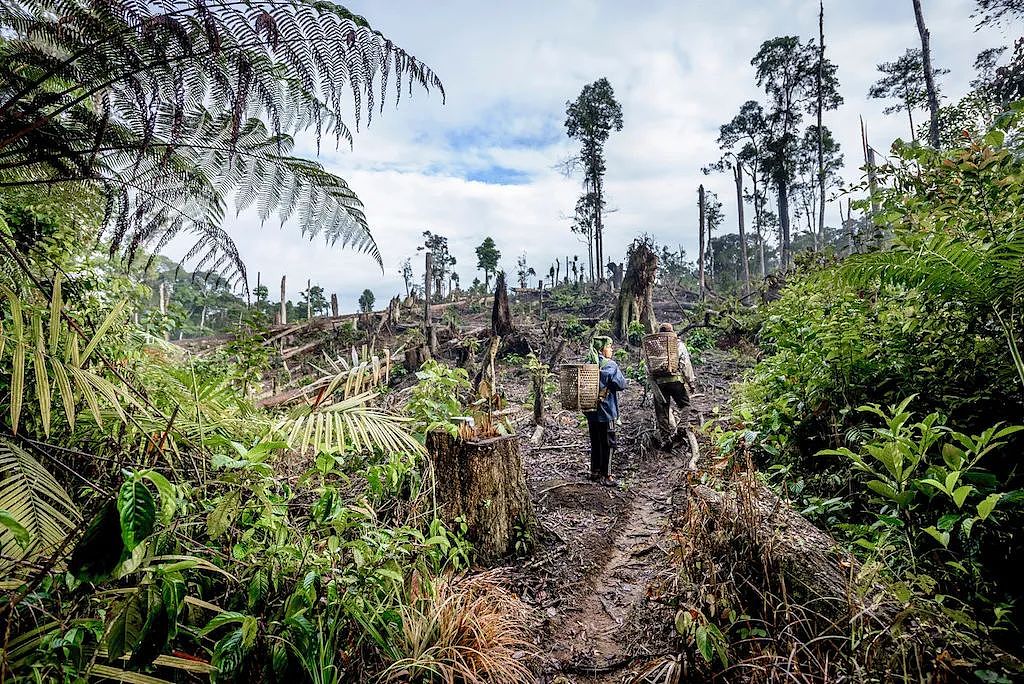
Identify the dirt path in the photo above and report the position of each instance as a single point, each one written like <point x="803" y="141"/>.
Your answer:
<point x="601" y="550"/>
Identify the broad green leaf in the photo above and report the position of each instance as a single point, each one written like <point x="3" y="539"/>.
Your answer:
<point x="941" y="537"/>
<point x="986" y="507"/>
<point x="21" y="535"/>
<point x="137" y="512"/>
<point x="168" y="498"/>
<point x="223" y="515"/>
<point x="961" y="493"/>
<point x="953" y="456"/>
<point x="124" y="626"/>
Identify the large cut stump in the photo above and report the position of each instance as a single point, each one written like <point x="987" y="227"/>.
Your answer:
<point x="636" y="294"/>
<point x="484" y="483"/>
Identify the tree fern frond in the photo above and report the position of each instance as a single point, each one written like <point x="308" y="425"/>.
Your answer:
<point x="122" y="95"/>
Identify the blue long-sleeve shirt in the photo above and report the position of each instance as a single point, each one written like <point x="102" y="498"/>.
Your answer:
<point x="614" y="382"/>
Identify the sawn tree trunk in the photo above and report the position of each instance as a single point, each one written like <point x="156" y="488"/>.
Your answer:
<point x="484" y="483"/>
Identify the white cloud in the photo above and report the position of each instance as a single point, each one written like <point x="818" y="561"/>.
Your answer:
<point x="680" y="69"/>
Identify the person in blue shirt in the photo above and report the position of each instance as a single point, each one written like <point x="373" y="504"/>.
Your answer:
<point x="601" y="421"/>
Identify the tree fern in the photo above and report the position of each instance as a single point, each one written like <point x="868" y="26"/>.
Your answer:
<point x="160" y="106"/>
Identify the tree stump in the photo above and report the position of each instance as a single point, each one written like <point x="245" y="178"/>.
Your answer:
<point x="483" y="482"/>
<point x="636" y="296"/>
<point x="416" y="357"/>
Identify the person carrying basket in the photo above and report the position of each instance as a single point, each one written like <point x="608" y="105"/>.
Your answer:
<point x="671" y="383"/>
<point x="601" y="421"/>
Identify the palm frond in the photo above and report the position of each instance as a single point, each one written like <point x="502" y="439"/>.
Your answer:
<point x="36" y="501"/>
<point x="45" y="353"/>
<point x="323" y="423"/>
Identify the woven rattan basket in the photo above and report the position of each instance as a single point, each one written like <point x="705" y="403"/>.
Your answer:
<point x="580" y="385"/>
<point x="661" y="351"/>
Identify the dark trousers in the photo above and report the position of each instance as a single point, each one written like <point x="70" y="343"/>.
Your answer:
<point x="673" y="392"/>
<point x="602" y="444"/>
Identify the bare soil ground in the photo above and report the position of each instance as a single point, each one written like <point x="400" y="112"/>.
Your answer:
<point x="603" y="556"/>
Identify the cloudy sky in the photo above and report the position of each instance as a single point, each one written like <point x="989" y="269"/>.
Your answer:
<point x="485" y="163"/>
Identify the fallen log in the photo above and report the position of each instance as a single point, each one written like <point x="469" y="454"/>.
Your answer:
<point x="301" y="349"/>
<point x="799" y="560"/>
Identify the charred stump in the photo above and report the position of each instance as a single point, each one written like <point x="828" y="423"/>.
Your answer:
<point x="636" y="297"/>
<point x="501" y="318"/>
<point x="484" y="483"/>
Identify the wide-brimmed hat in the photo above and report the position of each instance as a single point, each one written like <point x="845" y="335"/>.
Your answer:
<point x="600" y="342"/>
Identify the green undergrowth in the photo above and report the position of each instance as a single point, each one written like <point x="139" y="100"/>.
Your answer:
<point x="886" y="402"/>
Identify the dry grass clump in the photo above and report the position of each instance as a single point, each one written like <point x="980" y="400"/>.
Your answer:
<point x="466" y="628"/>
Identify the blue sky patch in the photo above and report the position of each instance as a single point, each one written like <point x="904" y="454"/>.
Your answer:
<point x="498" y="175"/>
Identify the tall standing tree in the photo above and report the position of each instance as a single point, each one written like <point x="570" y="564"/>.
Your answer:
<point x="731" y="162"/>
<point x="524" y="272"/>
<point x="789" y="71"/>
<point x="366" y="301"/>
<point x="929" y="75"/>
<point x="487" y="256"/>
<point x="702" y="231"/>
<point x="590" y="120"/>
<point x="820" y="108"/>
<point x="747" y="138"/>
<point x="809" y="165"/>
<point x="903" y="80"/>
<point x="713" y="220"/>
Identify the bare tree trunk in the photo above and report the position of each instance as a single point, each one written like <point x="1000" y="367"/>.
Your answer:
<point x="738" y="173"/>
<point x="309" y="300"/>
<point x="599" y="231"/>
<point x="757" y="223"/>
<point x="910" y="115"/>
<point x="700" y="256"/>
<point x="821" y="132"/>
<point x="784" y="241"/>
<point x="284" y="309"/>
<point x="501" y="318"/>
<point x="590" y="253"/>
<point x="428" y="279"/>
<point x="929" y="75"/>
<point x="257" y="281"/>
<point x="334" y="305"/>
